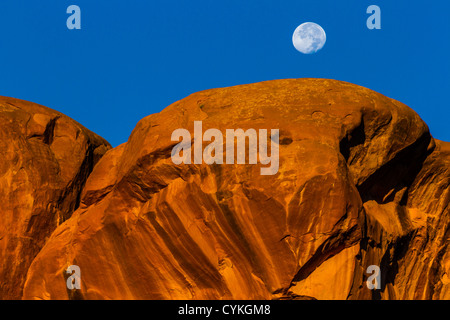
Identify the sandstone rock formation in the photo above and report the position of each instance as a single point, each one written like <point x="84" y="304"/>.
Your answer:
<point x="361" y="182"/>
<point x="45" y="159"/>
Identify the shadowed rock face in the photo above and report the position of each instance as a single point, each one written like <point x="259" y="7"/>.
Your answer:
<point x="361" y="182"/>
<point x="45" y="159"/>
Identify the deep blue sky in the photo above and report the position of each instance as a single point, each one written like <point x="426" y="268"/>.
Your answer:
<point x="133" y="58"/>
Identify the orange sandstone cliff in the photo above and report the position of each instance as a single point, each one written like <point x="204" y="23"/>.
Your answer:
<point x="361" y="182"/>
<point x="45" y="159"/>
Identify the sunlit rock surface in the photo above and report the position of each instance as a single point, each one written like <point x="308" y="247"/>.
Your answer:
<point x="45" y="159"/>
<point x="361" y="182"/>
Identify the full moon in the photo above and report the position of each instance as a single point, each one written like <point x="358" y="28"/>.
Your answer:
<point x="309" y="38"/>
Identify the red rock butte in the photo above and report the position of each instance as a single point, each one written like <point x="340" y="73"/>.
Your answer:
<point x="361" y="182"/>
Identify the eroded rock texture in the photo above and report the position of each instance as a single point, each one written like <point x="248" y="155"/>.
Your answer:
<point x="361" y="182"/>
<point x="45" y="159"/>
